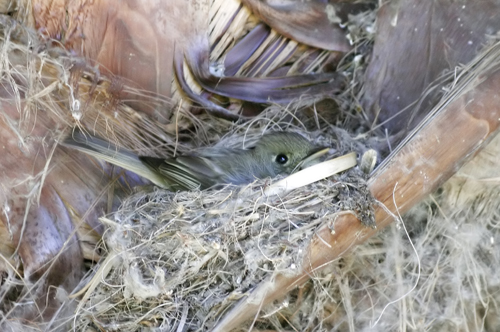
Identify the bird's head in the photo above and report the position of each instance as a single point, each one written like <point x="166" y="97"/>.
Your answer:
<point x="284" y="151"/>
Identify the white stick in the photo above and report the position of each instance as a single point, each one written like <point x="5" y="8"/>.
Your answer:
<point x="312" y="174"/>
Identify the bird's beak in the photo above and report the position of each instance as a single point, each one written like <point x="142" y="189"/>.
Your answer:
<point x="312" y="159"/>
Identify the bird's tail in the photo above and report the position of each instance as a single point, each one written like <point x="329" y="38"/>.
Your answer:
<point x="109" y="152"/>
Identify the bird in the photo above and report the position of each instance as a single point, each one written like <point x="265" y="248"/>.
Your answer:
<point x="273" y="154"/>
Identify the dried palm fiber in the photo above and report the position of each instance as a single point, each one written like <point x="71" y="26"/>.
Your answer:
<point x="321" y="305"/>
<point x="140" y="40"/>
<point x="432" y="36"/>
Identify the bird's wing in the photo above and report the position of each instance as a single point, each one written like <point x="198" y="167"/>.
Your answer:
<point x="187" y="172"/>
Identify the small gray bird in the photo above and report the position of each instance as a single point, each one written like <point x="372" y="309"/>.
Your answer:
<point x="275" y="153"/>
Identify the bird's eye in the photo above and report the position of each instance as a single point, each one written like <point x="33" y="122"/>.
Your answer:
<point x="281" y="159"/>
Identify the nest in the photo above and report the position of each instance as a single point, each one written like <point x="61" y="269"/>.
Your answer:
<point x="181" y="260"/>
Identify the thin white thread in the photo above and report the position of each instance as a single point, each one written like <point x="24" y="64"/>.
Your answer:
<point x="399" y="218"/>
